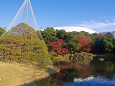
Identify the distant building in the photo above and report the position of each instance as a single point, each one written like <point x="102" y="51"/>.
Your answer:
<point x="114" y="34"/>
<point x="75" y="28"/>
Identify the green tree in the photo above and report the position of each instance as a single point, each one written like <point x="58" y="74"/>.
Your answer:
<point x="62" y="34"/>
<point x="108" y="44"/>
<point x="70" y="41"/>
<point x="22" y="43"/>
<point x="109" y="34"/>
<point x="113" y="44"/>
<point x="49" y="34"/>
<point x="99" y="43"/>
<point x="73" y="45"/>
<point x="93" y="36"/>
<point x="1" y="31"/>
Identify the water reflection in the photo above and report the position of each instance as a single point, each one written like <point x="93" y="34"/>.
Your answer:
<point x="95" y="82"/>
<point x="96" y="74"/>
<point x="103" y="69"/>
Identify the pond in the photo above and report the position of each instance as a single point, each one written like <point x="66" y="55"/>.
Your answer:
<point x="97" y="73"/>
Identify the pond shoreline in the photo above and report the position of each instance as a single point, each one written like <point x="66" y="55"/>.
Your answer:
<point x="91" y="74"/>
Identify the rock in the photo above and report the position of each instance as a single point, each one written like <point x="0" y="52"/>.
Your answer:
<point x="0" y="79"/>
<point x="101" y="59"/>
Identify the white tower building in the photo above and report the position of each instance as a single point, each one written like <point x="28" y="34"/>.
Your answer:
<point x="114" y="34"/>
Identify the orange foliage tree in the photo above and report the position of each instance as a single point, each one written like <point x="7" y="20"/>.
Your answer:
<point x="100" y="36"/>
<point x="85" y="42"/>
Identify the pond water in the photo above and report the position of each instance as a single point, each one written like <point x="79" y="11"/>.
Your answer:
<point x="97" y="73"/>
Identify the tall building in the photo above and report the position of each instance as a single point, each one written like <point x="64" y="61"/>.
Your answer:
<point x="114" y="34"/>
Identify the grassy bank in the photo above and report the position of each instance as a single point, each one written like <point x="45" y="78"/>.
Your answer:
<point x="14" y="74"/>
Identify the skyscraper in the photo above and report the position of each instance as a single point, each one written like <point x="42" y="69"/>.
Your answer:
<point x="114" y="34"/>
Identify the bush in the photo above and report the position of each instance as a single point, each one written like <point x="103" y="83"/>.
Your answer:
<point x="83" y="57"/>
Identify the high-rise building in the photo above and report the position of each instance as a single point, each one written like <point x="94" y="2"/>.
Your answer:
<point x="114" y="34"/>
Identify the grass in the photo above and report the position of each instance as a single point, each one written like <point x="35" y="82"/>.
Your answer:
<point x="15" y="74"/>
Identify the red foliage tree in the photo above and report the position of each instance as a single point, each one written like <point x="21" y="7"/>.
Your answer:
<point x="85" y="42"/>
<point x="56" y="47"/>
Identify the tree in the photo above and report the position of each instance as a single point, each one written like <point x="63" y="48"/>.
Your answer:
<point x="85" y="42"/>
<point x="69" y="40"/>
<point x="108" y="43"/>
<point x="93" y="36"/>
<point x="109" y="34"/>
<point x="72" y="45"/>
<point x="114" y="45"/>
<point x="62" y="34"/>
<point x="1" y="31"/>
<point x="99" y="43"/>
<point x="22" y="43"/>
<point x="57" y="47"/>
<point x="104" y="43"/>
<point x="49" y="34"/>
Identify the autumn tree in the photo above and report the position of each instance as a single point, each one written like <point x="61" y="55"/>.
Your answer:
<point x="85" y="42"/>
<point x="57" y="47"/>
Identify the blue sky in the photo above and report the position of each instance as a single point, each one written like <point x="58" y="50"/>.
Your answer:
<point x="95" y="14"/>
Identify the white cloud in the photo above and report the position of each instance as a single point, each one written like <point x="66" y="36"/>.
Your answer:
<point x="100" y="26"/>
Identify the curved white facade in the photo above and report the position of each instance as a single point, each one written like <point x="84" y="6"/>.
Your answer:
<point x="75" y="28"/>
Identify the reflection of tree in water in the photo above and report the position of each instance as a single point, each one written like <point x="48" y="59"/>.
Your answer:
<point x="50" y="81"/>
<point x="60" y="79"/>
<point x="69" y="72"/>
<point x="103" y="69"/>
